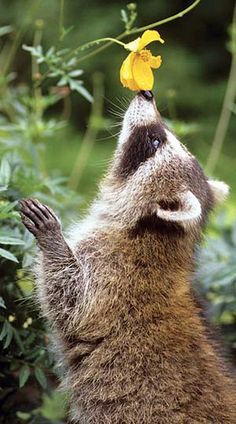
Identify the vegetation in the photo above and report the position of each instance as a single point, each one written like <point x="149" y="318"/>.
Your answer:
<point x="47" y="153"/>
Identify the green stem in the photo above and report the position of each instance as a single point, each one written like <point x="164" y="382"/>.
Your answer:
<point x="12" y="51"/>
<point x="226" y="110"/>
<point x="137" y="30"/>
<point x="16" y="43"/>
<point x="169" y="19"/>
<point x="122" y="35"/>
<point x="35" y="72"/>
<point x="61" y="18"/>
<point x="91" y="133"/>
<point x="98" y="41"/>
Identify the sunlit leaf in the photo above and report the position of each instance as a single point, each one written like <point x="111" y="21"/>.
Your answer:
<point x="8" y="334"/>
<point x="10" y="240"/>
<point x="4" y="330"/>
<point x="7" y="29"/>
<point x="77" y="86"/>
<point x="5" y="172"/>
<point x="2" y="303"/>
<point x="76" y="73"/>
<point x="8" y="255"/>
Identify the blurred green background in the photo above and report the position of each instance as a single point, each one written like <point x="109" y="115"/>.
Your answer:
<point x="55" y="145"/>
<point x="189" y="86"/>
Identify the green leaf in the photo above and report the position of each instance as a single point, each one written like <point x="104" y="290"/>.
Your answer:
<point x="5" y="172"/>
<point x="54" y="406"/>
<point x="2" y="303"/>
<point x="4" y="330"/>
<point x="24" y="416"/>
<point x="63" y="81"/>
<point x="76" y="73"/>
<point x="5" y="30"/>
<point x="41" y="377"/>
<point x="24" y="375"/>
<point x="18" y="340"/>
<point x="9" y="335"/>
<point x="50" y="51"/>
<point x="35" y="51"/>
<point x="8" y="255"/>
<point x="65" y="31"/>
<point x="124" y="16"/>
<point x="77" y="86"/>
<point x="10" y="240"/>
<point x="7" y="210"/>
<point x="234" y="234"/>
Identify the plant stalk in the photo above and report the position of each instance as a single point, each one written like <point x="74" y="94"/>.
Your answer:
<point x="91" y="132"/>
<point x="226" y="111"/>
<point x="137" y="30"/>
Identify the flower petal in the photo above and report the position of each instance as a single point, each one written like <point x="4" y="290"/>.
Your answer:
<point x="126" y="74"/>
<point x="155" y="62"/>
<point x="142" y="74"/>
<point x="147" y="38"/>
<point x="126" y="68"/>
<point x="133" y="45"/>
<point x="131" y="84"/>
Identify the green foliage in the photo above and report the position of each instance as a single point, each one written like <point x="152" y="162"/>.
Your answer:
<point x="25" y="360"/>
<point x="129" y="16"/>
<point x="59" y="65"/>
<point x="28" y="166"/>
<point x="217" y="277"/>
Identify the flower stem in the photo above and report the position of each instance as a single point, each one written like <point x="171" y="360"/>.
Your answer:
<point x="226" y="110"/>
<point x="91" y="132"/>
<point x="100" y="49"/>
<point x="169" y="19"/>
<point x="18" y="38"/>
<point x="135" y="31"/>
<point x="61" y="18"/>
<point x="98" y="41"/>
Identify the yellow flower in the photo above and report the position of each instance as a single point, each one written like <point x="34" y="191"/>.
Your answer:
<point x="136" y="70"/>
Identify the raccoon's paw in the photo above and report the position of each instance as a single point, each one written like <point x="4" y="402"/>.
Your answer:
<point x="39" y="219"/>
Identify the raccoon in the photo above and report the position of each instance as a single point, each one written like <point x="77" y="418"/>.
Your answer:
<point x="117" y="294"/>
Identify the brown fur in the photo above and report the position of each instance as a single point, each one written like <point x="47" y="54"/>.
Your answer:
<point x="130" y="334"/>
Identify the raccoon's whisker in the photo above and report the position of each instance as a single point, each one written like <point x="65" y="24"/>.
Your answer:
<point x="115" y="113"/>
<point x="109" y="136"/>
<point x="116" y="106"/>
<point x="116" y="124"/>
<point x="124" y="102"/>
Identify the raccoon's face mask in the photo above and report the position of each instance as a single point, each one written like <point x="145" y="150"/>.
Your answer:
<point x="156" y="170"/>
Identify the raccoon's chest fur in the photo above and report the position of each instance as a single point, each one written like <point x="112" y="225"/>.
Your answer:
<point x="139" y="336"/>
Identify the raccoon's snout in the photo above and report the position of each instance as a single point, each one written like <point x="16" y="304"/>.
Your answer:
<point x="146" y="94"/>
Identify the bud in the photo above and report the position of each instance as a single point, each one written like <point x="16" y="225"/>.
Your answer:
<point x="171" y="93"/>
<point x="39" y="23"/>
<point x="131" y="6"/>
<point x="37" y="76"/>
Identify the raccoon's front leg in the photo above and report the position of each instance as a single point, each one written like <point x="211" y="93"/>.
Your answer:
<point x="58" y="272"/>
<point x="41" y="221"/>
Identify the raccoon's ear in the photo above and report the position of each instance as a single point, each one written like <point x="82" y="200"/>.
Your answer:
<point x="219" y="190"/>
<point x="189" y="209"/>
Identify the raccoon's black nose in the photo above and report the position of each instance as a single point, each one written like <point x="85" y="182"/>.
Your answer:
<point x="147" y="94"/>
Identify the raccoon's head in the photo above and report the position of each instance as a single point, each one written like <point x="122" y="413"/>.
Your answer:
<point x="153" y="174"/>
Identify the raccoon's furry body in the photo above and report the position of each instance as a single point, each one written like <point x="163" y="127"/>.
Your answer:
<point x="119" y="299"/>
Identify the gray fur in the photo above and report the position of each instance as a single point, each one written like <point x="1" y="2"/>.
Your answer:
<point x="119" y="298"/>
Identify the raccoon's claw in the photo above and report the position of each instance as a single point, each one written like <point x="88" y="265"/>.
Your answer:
<point x="38" y="219"/>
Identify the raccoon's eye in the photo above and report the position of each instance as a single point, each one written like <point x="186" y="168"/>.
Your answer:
<point x="156" y="143"/>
